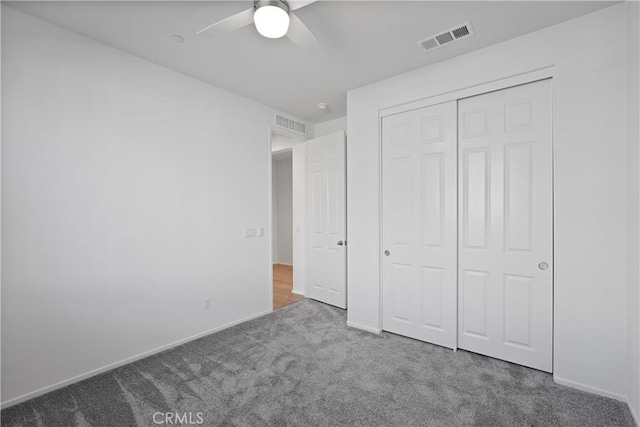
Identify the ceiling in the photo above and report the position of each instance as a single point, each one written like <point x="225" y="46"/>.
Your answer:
<point x="363" y="41"/>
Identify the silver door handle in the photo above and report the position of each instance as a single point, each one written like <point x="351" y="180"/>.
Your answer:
<point x="387" y="253"/>
<point x="543" y="266"/>
<point x="340" y="243"/>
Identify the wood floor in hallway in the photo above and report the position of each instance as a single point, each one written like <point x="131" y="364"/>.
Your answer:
<point x="283" y="285"/>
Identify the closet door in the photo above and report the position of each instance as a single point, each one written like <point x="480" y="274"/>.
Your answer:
<point x="419" y="224"/>
<point x="505" y="219"/>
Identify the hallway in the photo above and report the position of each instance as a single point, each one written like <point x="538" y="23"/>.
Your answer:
<point x="282" y="286"/>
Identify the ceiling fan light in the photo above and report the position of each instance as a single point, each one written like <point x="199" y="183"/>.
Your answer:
<point x="271" y="19"/>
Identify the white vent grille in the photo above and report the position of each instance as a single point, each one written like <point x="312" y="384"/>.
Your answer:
<point x="290" y="124"/>
<point x="453" y="34"/>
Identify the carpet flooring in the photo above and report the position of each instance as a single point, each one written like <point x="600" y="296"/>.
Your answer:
<point x="301" y="366"/>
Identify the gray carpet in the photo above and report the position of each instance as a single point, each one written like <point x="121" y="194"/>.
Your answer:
<point x="302" y="366"/>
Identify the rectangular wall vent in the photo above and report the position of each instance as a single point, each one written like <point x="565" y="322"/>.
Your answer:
<point x="453" y="34"/>
<point x="290" y="124"/>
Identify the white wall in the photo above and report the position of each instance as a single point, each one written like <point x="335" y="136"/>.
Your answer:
<point x="331" y="126"/>
<point x="589" y="55"/>
<point x="633" y="191"/>
<point x="282" y="143"/>
<point x="126" y="189"/>
<point x="283" y="189"/>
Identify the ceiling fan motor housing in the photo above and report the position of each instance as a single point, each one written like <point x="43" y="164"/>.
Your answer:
<point x="277" y="3"/>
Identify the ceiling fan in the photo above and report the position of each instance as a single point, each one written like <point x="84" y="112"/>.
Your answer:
<point x="273" y="19"/>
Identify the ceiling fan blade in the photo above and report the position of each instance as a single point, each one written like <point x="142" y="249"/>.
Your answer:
<point x="234" y="22"/>
<point x="297" y="4"/>
<point x="301" y="35"/>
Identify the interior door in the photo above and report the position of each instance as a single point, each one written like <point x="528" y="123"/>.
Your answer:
<point x="505" y="219"/>
<point x="419" y="224"/>
<point x="326" y="186"/>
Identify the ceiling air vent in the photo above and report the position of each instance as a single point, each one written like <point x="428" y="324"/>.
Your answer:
<point x="444" y="38"/>
<point x="290" y="124"/>
<point x="451" y="35"/>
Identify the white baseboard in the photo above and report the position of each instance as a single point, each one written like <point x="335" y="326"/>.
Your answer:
<point x="590" y="389"/>
<point x="298" y="292"/>
<point x="282" y="263"/>
<point x="364" y="328"/>
<point x="128" y="360"/>
<point x="599" y="391"/>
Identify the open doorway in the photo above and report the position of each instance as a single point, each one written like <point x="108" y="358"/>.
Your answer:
<point x="288" y="216"/>
<point x="282" y="226"/>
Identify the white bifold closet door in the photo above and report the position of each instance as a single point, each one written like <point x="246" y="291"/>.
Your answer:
<point x="419" y="224"/>
<point x="505" y="224"/>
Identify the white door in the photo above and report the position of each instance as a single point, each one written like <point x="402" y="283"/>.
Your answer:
<point x="419" y="224"/>
<point x="327" y="255"/>
<point x="505" y="219"/>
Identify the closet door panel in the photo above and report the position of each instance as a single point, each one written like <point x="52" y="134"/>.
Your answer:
<point x="506" y="224"/>
<point x="419" y="224"/>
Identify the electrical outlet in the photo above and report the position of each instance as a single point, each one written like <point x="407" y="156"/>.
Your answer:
<point x="250" y="233"/>
<point x="207" y="303"/>
<point x="260" y="231"/>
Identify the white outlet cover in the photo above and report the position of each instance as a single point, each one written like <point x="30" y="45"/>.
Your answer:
<point x="249" y="233"/>
<point x="260" y="231"/>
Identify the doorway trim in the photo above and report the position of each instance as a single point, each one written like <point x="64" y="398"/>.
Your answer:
<point x="455" y="95"/>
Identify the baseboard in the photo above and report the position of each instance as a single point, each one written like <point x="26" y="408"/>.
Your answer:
<point x="590" y="389"/>
<point x="599" y="391"/>
<point x="283" y="263"/>
<point x="123" y="362"/>
<point x="364" y="328"/>
<point x="298" y="292"/>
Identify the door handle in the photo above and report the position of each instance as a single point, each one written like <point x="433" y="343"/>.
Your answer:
<point x="387" y="253"/>
<point x="543" y="266"/>
<point x="340" y="243"/>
